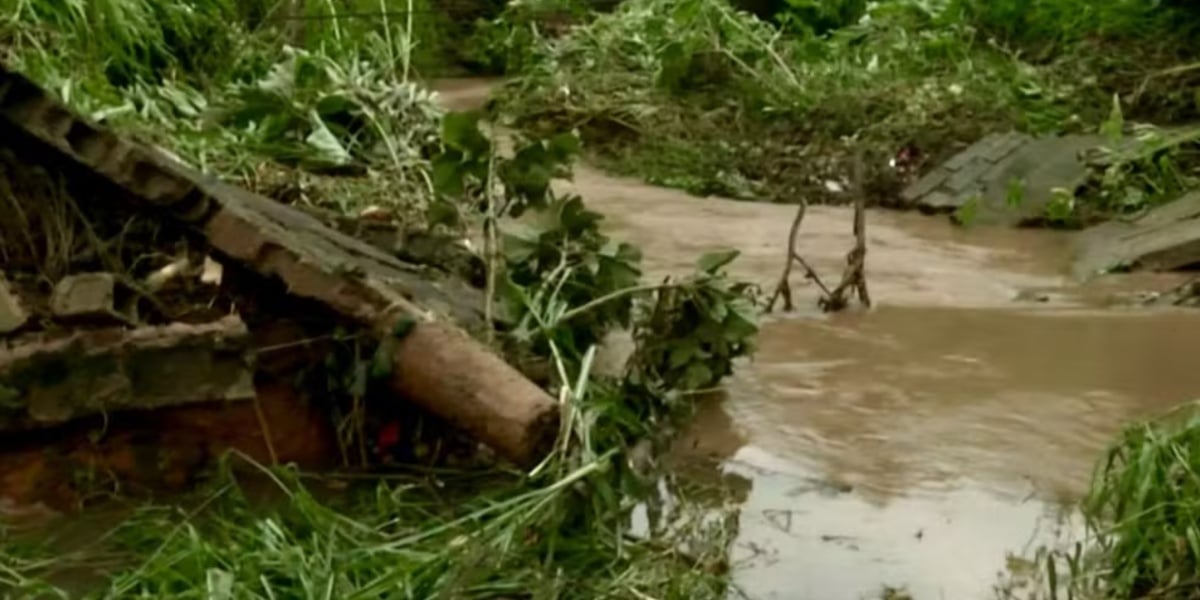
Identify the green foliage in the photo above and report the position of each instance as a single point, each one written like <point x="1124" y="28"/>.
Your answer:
<point x="516" y="38"/>
<point x="248" y="91"/>
<point x="1046" y="24"/>
<point x="1134" y="172"/>
<point x="1144" y="511"/>
<point x="820" y="17"/>
<point x="312" y="111"/>
<point x="697" y="95"/>
<point x="691" y="334"/>
<point x="694" y="94"/>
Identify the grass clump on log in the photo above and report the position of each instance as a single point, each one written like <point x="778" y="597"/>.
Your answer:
<point x="699" y="95"/>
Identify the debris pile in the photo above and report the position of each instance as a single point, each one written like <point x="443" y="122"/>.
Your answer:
<point x="134" y="290"/>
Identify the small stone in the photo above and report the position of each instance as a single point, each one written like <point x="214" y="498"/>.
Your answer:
<point x="213" y="272"/>
<point x="85" y="295"/>
<point x="12" y="316"/>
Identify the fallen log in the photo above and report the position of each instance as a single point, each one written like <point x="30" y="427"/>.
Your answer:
<point x="437" y="365"/>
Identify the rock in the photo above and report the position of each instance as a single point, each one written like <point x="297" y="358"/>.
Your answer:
<point x="980" y="180"/>
<point x="85" y="295"/>
<point x="1163" y="239"/>
<point x="12" y="315"/>
<point x="48" y="380"/>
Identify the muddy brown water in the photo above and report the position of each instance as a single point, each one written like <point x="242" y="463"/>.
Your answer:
<point x="925" y="442"/>
<point x="921" y="443"/>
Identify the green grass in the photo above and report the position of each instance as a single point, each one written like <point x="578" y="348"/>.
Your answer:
<point x="444" y="535"/>
<point x="1144" y="511"/>
<point x="693" y="94"/>
<point x="253" y="91"/>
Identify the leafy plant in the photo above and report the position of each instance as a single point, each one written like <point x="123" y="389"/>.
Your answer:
<point x="691" y="334"/>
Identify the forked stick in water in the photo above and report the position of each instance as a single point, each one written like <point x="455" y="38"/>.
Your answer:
<point x="784" y="288"/>
<point x="853" y="277"/>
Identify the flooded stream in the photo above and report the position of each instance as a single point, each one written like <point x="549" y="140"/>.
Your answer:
<point x="920" y="444"/>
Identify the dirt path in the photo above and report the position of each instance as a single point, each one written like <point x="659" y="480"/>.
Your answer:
<point x="919" y="444"/>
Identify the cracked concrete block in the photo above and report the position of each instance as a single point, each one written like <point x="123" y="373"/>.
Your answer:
<point x="984" y="173"/>
<point x="85" y="295"/>
<point x="52" y="378"/>
<point x="1164" y="239"/>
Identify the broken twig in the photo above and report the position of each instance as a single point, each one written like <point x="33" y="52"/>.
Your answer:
<point x="784" y="288"/>
<point x="854" y="276"/>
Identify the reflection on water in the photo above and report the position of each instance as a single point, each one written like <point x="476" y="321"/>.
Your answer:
<point x="919" y="447"/>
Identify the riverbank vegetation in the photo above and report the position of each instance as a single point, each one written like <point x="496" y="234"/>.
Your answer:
<point x="768" y="104"/>
<point x="320" y="104"/>
<point x="1140" y="516"/>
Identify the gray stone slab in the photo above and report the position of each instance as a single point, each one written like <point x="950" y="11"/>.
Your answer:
<point x="1165" y="238"/>
<point x="986" y="172"/>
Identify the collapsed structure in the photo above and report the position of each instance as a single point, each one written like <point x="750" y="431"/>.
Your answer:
<point x="148" y="310"/>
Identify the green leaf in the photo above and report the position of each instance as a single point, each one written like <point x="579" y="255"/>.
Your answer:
<point x="381" y="361"/>
<point x="336" y="104"/>
<point x="403" y="327"/>
<point x="713" y="261"/>
<point x="460" y="131"/>
<point x="442" y="212"/>
<point x="682" y="352"/>
<point x="329" y="149"/>
<point x="696" y="376"/>
<point x="676" y="62"/>
<point x="448" y="171"/>
<point x="740" y="323"/>
<point x="564" y="147"/>
<point x="1113" y="127"/>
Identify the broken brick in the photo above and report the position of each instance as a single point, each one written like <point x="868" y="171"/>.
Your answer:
<point x="85" y="295"/>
